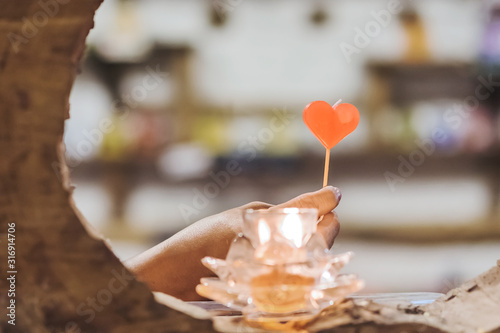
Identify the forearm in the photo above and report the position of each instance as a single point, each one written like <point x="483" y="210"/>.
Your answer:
<point x="174" y="266"/>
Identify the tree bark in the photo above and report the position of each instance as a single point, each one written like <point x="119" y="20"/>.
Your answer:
<point x="67" y="279"/>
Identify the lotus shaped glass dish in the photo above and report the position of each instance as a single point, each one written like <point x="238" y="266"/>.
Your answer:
<point x="279" y="268"/>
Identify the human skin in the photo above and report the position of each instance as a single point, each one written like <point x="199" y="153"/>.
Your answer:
<point x="174" y="266"/>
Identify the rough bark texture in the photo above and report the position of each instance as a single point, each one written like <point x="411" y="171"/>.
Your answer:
<point x="475" y="305"/>
<point x="62" y="266"/>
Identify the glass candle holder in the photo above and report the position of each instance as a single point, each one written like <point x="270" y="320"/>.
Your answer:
<point x="279" y="269"/>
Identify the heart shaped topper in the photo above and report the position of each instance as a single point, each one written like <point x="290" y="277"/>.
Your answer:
<point x="331" y="124"/>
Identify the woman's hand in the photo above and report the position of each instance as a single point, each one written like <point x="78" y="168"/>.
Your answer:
<point x="174" y="266"/>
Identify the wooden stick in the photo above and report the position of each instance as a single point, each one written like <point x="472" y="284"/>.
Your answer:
<point x="327" y="156"/>
<point x="327" y="167"/>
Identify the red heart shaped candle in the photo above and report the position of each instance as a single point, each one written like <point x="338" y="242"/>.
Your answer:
<point x="330" y="124"/>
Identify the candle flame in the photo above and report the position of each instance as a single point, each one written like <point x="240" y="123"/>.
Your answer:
<point x="264" y="232"/>
<point x="291" y="228"/>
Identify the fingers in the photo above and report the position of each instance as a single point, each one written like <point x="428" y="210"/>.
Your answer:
<point x="325" y="200"/>
<point x="329" y="227"/>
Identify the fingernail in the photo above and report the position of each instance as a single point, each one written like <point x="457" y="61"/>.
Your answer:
<point x="338" y="194"/>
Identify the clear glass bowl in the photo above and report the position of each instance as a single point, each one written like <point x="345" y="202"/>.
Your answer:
<point x="279" y="268"/>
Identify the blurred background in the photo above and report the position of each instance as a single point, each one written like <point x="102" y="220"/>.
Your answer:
<point x="186" y="108"/>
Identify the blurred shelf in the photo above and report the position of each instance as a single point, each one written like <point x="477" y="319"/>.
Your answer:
<point x="406" y="83"/>
<point x="437" y="164"/>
